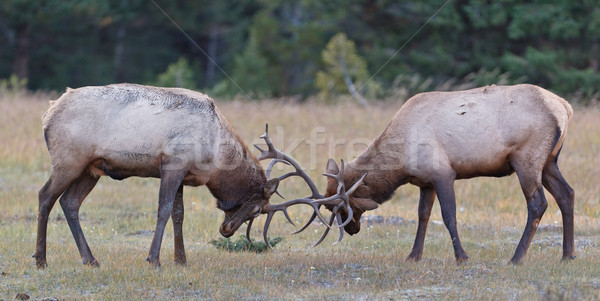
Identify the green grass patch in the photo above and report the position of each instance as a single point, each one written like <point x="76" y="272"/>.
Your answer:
<point x="243" y="245"/>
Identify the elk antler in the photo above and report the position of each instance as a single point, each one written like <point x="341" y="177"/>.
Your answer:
<point x="316" y="200"/>
<point x="279" y="157"/>
<point x="341" y="200"/>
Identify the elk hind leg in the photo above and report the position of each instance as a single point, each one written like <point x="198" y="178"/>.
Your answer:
<point x="70" y="202"/>
<point x="564" y="195"/>
<point x="169" y="184"/>
<point x="59" y="181"/>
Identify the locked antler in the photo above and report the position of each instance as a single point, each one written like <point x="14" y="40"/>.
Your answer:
<point x="339" y="201"/>
<point x="280" y="157"/>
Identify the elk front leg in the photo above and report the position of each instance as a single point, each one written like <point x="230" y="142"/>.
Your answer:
<point x="170" y="181"/>
<point x="445" y="192"/>
<point x="177" y="218"/>
<point x="425" y="205"/>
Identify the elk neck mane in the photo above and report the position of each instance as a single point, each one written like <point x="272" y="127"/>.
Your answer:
<point x="237" y="183"/>
<point x="381" y="180"/>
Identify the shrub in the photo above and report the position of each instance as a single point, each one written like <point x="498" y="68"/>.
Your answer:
<point x="178" y="74"/>
<point x="243" y="245"/>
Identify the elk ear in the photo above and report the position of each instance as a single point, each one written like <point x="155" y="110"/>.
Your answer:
<point x="332" y="167"/>
<point x="270" y="187"/>
<point x="364" y="204"/>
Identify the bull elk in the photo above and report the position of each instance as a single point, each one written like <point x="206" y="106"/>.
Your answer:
<point x="127" y="130"/>
<point x="439" y="137"/>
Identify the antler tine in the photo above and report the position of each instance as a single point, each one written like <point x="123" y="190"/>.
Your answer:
<point x="355" y="186"/>
<point x="326" y="231"/>
<point x="336" y="210"/>
<point x="271" y="164"/>
<point x="333" y="217"/>
<point x="308" y="201"/>
<point x="268" y="222"/>
<point x="248" y="231"/>
<point x="287" y="216"/>
<point x="266" y="228"/>
<point x="278" y="156"/>
<point x="270" y="168"/>
<point x="338" y="217"/>
<point x="310" y="220"/>
<point x="340" y="173"/>
<point x="283" y="207"/>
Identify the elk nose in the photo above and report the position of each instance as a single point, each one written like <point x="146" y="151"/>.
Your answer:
<point x="226" y="229"/>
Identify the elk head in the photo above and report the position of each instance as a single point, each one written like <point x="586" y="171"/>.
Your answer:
<point x="359" y="202"/>
<point x="237" y="213"/>
<point x="338" y="202"/>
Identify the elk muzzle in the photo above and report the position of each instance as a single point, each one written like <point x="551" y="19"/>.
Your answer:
<point x="233" y="220"/>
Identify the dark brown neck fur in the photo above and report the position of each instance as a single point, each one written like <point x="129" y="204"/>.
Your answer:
<point x="384" y="175"/>
<point x="234" y="185"/>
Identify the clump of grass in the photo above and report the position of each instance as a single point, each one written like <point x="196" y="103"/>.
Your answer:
<point x="243" y="245"/>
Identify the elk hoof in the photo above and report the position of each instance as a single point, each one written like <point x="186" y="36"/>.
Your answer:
<point x="515" y="261"/>
<point x="462" y="259"/>
<point x="568" y="257"/>
<point x="92" y="263"/>
<point x="180" y="260"/>
<point x="414" y="258"/>
<point x="154" y="263"/>
<point x="41" y="264"/>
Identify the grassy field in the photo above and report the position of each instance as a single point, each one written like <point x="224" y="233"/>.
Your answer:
<point x="118" y="219"/>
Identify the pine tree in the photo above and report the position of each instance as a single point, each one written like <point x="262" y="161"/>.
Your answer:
<point x="345" y="70"/>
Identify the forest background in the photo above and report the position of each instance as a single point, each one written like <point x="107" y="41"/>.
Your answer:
<point x="269" y="49"/>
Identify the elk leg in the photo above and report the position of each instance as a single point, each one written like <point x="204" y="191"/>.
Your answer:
<point x="564" y="195"/>
<point x="536" y="206"/>
<point x="445" y="192"/>
<point x="70" y="202"/>
<point x="54" y="187"/>
<point x="170" y="181"/>
<point x="177" y="218"/>
<point x="425" y="205"/>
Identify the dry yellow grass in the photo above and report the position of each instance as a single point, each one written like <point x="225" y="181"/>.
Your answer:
<point x="118" y="218"/>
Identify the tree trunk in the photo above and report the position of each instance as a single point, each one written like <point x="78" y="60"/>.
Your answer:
<point x="119" y="72"/>
<point x="353" y="91"/>
<point x="350" y="84"/>
<point x="594" y="57"/>
<point x="118" y="66"/>
<point x="22" y="43"/>
<point x="213" y="39"/>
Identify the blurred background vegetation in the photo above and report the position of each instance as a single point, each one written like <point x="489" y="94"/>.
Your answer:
<point x="303" y="48"/>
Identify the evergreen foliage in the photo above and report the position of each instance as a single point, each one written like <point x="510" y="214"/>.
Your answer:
<point x="178" y="74"/>
<point x="344" y="69"/>
<point x="243" y="245"/>
<point x="277" y="48"/>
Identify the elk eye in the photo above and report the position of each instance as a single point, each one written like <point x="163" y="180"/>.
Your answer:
<point x="256" y="211"/>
